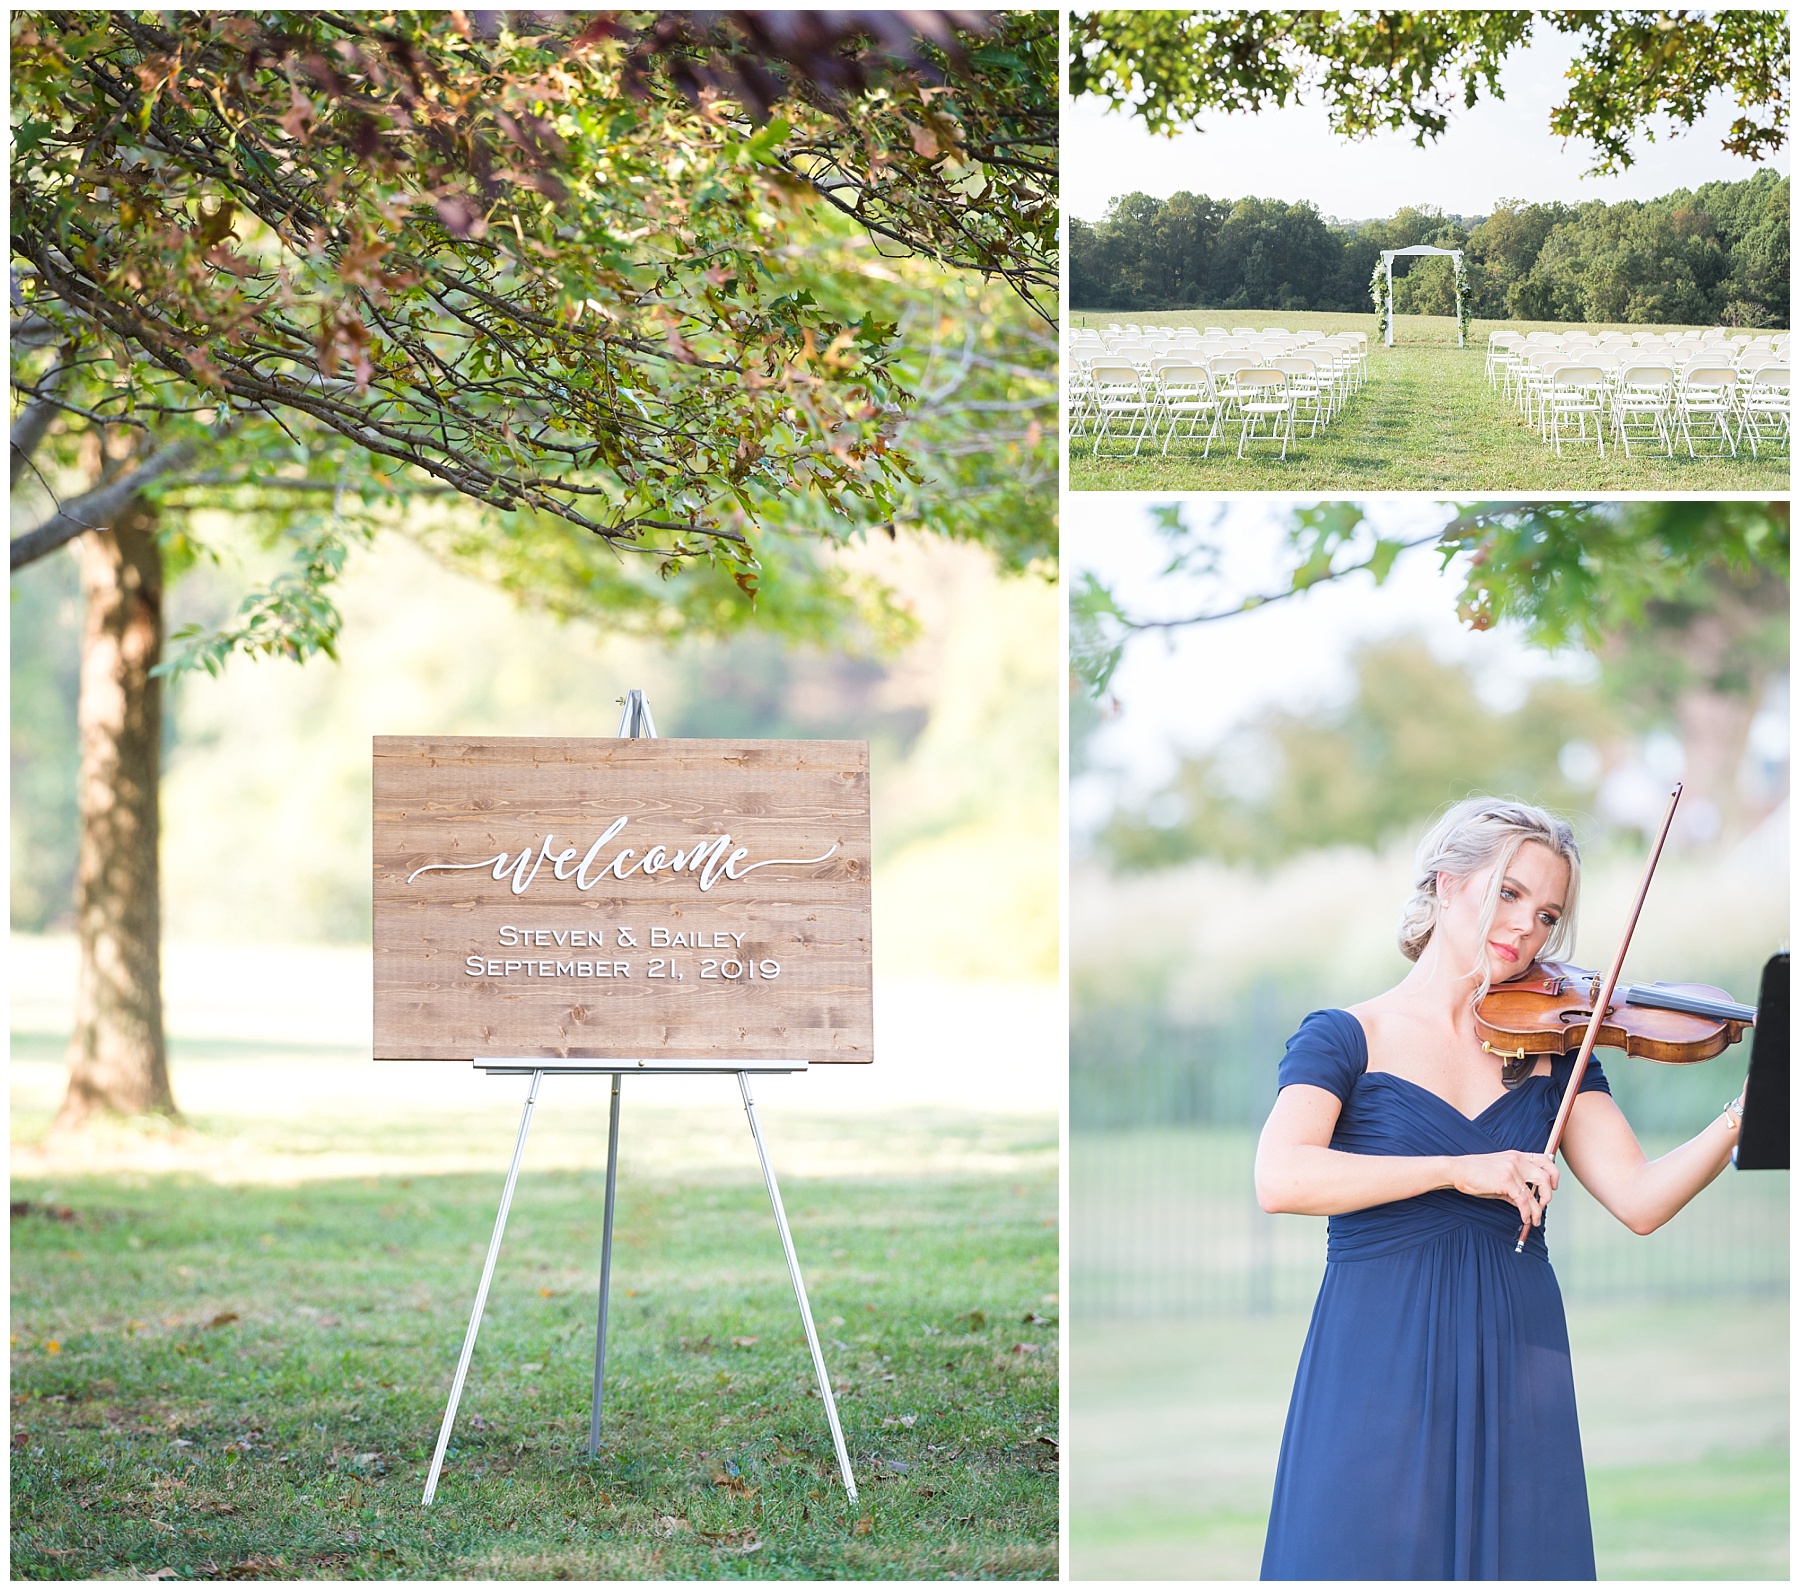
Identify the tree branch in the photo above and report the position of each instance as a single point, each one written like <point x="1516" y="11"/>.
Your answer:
<point x="94" y="510"/>
<point x="34" y="419"/>
<point x="34" y="331"/>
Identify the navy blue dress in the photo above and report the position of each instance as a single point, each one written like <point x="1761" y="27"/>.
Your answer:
<point x="1432" y="1432"/>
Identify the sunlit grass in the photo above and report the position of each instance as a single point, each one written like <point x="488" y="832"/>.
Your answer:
<point x="247" y="1383"/>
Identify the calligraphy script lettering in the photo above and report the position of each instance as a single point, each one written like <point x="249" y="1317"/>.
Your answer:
<point x="708" y="861"/>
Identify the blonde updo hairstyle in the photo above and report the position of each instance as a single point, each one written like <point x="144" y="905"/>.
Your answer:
<point x="1483" y="832"/>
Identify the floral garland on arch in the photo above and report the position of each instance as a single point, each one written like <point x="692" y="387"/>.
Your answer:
<point x="1383" y="294"/>
<point x="1462" y="300"/>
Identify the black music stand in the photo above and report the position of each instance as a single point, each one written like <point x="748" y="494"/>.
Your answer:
<point x="1763" y="1139"/>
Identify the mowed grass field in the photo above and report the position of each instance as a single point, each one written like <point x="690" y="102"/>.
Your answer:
<point x="232" y="1338"/>
<point x="1175" y="1428"/>
<point x="1425" y="420"/>
<point x="247" y="1383"/>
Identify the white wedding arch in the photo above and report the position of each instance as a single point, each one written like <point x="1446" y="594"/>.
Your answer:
<point x="1383" y="289"/>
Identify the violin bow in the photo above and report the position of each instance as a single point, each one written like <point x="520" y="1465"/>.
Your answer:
<point x="1602" y="1001"/>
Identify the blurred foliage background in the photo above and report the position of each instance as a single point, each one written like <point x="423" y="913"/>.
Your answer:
<point x="266" y="795"/>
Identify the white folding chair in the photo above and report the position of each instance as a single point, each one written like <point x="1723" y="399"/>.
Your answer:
<point x="1121" y="394"/>
<point x="1575" y="392"/>
<point x="1188" y="393"/>
<point x="1263" y="393"/>
<point x="1707" y="394"/>
<point x="1643" y="394"/>
<point x="1312" y="388"/>
<point x="1765" y="400"/>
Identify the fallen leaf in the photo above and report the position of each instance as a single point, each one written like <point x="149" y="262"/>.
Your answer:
<point x="864" y="1526"/>
<point x="976" y="1319"/>
<point x="53" y="1346"/>
<point x="476" y="1423"/>
<point x="163" y="1574"/>
<point x="223" y="1318"/>
<point x="544" y="1292"/>
<point x="673" y="1525"/>
<point x="1027" y="1347"/>
<point x="743" y="1342"/>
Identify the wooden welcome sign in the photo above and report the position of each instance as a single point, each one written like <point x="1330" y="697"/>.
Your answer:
<point x="663" y="902"/>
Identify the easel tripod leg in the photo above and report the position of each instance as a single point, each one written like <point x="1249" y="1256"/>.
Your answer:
<point x="612" y="1182"/>
<point x="793" y="1261"/>
<point x="487" y="1276"/>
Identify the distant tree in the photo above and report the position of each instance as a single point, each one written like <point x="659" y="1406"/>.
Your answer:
<point x="1755" y="220"/>
<point x="1638" y="73"/>
<point x="1271" y="255"/>
<point x="1413" y="736"/>
<point x="1502" y="250"/>
<point x="1718" y="253"/>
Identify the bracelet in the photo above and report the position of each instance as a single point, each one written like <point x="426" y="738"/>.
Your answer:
<point x="1734" y="1113"/>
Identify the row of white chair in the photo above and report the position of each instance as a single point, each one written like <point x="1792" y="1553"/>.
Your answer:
<point x="1505" y="348"/>
<point x="1260" y="351"/>
<point x="1131" y="403"/>
<point x="1646" y="398"/>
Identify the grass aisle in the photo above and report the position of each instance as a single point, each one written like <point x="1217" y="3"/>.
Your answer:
<point x="1426" y="420"/>
<point x="245" y="1383"/>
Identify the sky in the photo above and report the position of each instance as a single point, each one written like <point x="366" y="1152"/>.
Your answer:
<point x="1186" y="693"/>
<point x="1499" y="150"/>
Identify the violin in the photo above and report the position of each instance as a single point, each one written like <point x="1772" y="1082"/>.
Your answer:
<point x="1548" y="1010"/>
<point x="1601" y="1009"/>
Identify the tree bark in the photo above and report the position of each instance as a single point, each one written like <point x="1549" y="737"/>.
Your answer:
<point x="117" y="1059"/>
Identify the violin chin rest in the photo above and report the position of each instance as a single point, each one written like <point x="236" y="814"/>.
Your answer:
<point x="1514" y="1069"/>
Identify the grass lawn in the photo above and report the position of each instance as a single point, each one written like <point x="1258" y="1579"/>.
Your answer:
<point x="246" y="1382"/>
<point x="1426" y="420"/>
<point x="232" y="1340"/>
<point x="1176" y="1426"/>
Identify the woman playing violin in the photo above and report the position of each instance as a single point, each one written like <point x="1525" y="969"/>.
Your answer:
<point x="1432" y="1433"/>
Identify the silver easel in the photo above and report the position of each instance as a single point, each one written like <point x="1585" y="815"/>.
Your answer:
<point x="635" y="724"/>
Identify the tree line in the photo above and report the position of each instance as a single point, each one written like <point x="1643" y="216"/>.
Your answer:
<point x="1717" y="254"/>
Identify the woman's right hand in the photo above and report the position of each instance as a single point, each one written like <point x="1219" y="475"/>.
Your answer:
<point x="1525" y="1181"/>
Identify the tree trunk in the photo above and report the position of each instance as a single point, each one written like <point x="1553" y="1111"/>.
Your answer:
<point x="117" y="1060"/>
